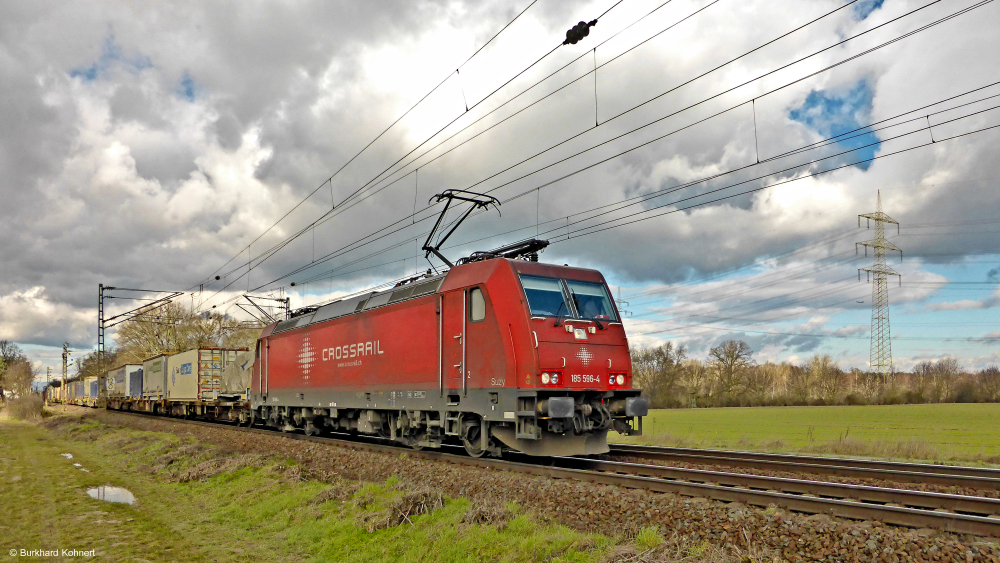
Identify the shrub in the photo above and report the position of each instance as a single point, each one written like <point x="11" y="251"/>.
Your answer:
<point x="855" y="399"/>
<point x="966" y="393"/>
<point x="26" y="408"/>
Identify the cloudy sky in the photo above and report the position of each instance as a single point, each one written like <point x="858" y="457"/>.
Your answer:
<point x="712" y="167"/>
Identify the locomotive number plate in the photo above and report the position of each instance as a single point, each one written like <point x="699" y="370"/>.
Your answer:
<point x="584" y="378"/>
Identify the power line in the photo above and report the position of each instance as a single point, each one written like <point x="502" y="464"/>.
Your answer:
<point x="580" y="232"/>
<point x="340" y="208"/>
<point x="379" y="136"/>
<point x="640" y="105"/>
<point x="814" y="73"/>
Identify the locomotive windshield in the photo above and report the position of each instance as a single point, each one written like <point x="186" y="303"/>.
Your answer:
<point x="591" y="300"/>
<point x="552" y="297"/>
<point x="545" y="296"/>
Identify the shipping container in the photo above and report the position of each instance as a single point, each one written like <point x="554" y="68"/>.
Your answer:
<point x="154" y="374"/>
<point x="236" y="377"/>
<point x="197" y="374"/>
<point x="135" y="384"/>
<point x="90" y="388"/>
<point x="120" y="381"/>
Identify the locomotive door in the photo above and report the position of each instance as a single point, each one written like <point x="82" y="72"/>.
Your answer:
<point x="453" y="342"/>
<point x="486" y="363"/>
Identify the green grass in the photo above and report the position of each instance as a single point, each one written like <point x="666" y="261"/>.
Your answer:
<point x="944" y="432"/>
<point x="197" y="503"/>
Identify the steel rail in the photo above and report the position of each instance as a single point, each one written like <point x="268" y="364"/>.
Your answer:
<point x="948" y="475"/>
<point x="982" y="506"/>
<point x="846" y="462"/>
<point x="730" y="487"/>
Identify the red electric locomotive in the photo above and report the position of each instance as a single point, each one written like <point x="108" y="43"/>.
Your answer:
<point x="494" y="352"/>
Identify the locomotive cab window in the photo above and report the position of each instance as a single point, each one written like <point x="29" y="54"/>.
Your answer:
<point x="477" y="305"/>
<point x="545" y="296"/>
<point x="591" y="300"/>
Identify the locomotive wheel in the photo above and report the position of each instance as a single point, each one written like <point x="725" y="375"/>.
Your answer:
<point x="415" y="441"/>
<point x="471" y="430"/>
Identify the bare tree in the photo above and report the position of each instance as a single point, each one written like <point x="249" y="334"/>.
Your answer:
<point x="18" y="376"/>
<point x="10" y="354"/>
<point x="799" y="383"/>
<point x="922" y="382"/>
<point x="173" y="328"/>
<point x="761" y="381"/>
<point x="694" y="380"/>
<point x="989" y="383"/>
<point x="829" y="378"/>
<point x="730" y="362"/>
<point x="946" y="372"/>
<point x="658" y="371"/>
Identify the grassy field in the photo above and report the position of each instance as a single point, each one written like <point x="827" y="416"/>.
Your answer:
<point x="197" y="503"/>
<point x="940" y="432"/>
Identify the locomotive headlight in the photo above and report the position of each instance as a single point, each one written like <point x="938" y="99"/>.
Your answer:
<point x="620" y="379"/>
<point x="555" y="378"/>
<point x="545" y="379"/>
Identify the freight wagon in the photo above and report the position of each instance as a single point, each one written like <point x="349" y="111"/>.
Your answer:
<point x="182" y="384"/>
<point x="90" y="392"/>
<point x="154" y="377"/>
<point x="125" y="381"/>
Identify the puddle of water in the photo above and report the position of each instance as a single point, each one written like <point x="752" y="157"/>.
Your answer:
<point x="112" y="494"/>
<point x="67" y="456"/>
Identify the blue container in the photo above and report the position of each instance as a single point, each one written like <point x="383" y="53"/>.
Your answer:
<point x="93" y="389"/>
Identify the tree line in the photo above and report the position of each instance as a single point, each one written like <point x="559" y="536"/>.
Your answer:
<point x="729" y="376"/>
<point x="168" y="330"/>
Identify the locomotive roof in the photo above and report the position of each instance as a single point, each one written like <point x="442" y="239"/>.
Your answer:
<point x="423" y="286"/>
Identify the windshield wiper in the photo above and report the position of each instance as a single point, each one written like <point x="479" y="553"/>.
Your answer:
<point x="576" y="301"/>
<point x="559" y="316"/>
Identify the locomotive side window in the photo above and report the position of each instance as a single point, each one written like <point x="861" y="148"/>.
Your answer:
<point x="477" y="305"/>
<point x="591" y="300"/>
<point x="545" y="296"/>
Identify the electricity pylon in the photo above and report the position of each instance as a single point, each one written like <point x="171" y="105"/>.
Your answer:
<point x="881" y="343"/>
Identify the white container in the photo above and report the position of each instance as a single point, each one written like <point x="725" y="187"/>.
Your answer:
<point x="154" y="376"/>
<point x="121" y="381"/>
<point x="197" y="374"/>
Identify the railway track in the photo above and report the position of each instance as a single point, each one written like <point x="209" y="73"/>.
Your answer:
<point x="917" y="509"/>
<point x="948" y="475"/>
